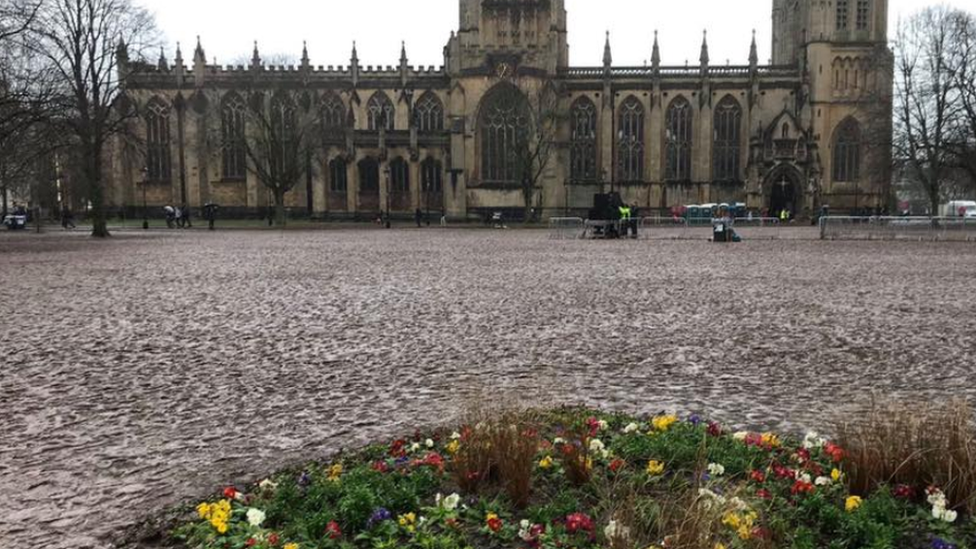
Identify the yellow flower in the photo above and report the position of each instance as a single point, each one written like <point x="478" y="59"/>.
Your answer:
<point x="655" y="468"/>
<point x="720" y="546"/>
<point x="663" y="423"/>
<point x="770" y="440"/>
<point x="407" y="521"/>
<point x="222" y="528"/>
<point x="490" y="517"/>
<point x="744" y="532"/>
<point x="291" y="546"/>
<point x="453" y="447"/>
<point x="835" y="474"/>
<point x="732" y="520"/>
<point x="589" y="464"/>
<point x="335" y="472"/>
<point x="852" y="504"/>
<point x="204" y="510"/>
<point x="546" y="462"/>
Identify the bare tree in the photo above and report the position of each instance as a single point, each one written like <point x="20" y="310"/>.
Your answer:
<point x="927" y="105"/>
<point x="87" y="43"/>
<point x="963" y="63"/>
<point x="534" y="142"/>
<point x="280" y="142"/>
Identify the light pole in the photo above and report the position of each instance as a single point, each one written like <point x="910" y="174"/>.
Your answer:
<point x="145" y="210"/>
<point x="386" y="172"/>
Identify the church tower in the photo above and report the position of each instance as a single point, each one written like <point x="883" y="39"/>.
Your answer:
<point x="841" y="49"/>
<point x="526" y="33"/>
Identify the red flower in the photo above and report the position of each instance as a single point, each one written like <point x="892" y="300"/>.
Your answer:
<point x="764" y="494"/>
<point x="434" y="460"/>
<point x="397" y="449"/>
<point x="714" y="429"/>
<point x="251" y="542"/>
<point x="594" y="425"/>
<point x="495" y="524"/>
<point x="783" y="472"/>
<point x="800" y="487"/>
<point x="903" y="491"/>
<point x="273" y="539"/>
<point x="803" y="454"/>
<point x="761" y="533"/>
<point x="758" y="476"/>
<point x="753" y="439"/>
<point x="617" y="465"/>
<point x="579" y="522"/>
<point x="381" y="466"/>
<point x="333" y="531"/>
<point x="835" y="452"/>
<point x="230" y="492"/>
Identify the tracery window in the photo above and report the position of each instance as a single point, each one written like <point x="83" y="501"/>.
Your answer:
<point x="431" y="177"/>
<point x="338" y="176"/>
<point x="504" y="125"/>
<point x="428" y="114"/>
<point x="583" y="146"/>
<point x="284" y="146"/>
<point x="630" y="141"/>
<point x="847" y="152"/>
<point x="678" y="140"/>
<point x="333" y="114"/>
<point x="843" y="14"/>
<point x="728" y="126"/>
<point x="863" y="14"/>
<point x="232" y="127"/>
<point x="157" y="141"/>
<point x="399" y="176"/>
<point x="380" y="111"/>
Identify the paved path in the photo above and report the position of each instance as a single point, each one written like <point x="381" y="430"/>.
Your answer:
<point x="149" y="369"/>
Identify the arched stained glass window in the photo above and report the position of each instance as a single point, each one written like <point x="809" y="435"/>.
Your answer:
<point x="284" y="146"/>
<point x="504" y="124"/>
<point x="233" y="125"/>
<point x="428" y="113"/>
<point x="381" y="112"/>
<point x="157" y="140"/>
<point x="847" y="152"/>
<point x="431" y="176"/>
<point x="333" y="113"/>
<point x="583" y="140"/>
<point x="338" y="176"/>
<point x="630" y="141"/>
<point x="726" y="150"/>
<point x="677" y="140"/>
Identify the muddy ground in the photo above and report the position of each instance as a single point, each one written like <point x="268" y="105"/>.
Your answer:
<point x="147" y="370"/>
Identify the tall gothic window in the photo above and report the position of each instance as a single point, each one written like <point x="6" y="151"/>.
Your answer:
<point x="583" y="147"/>
<point x="678" y="140"/>
<point x="504" y="125"/>
<point x="863" y="14"/>
<point x="284" y="153"/>
<point x="232" y="128"/>
<point x="847" y="152"/>
<point x="333" y="114"/>
<point x="380" y="111"/>
<point x="369" y="176"/>
<point x="728" y="125"/>
<point x="157" y="140"/>
<point x="843" y="14"/>
<point x="431" y="177"/>
<point x="428" y="114"/>
<point x="630" y="141"/>
<point x="338" y="176"/>
<point x="399" y="176"/>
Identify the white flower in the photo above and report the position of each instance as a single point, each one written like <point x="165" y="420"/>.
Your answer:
<point x="739" y="505"/>
<point x="266" y="484"/>
<point x="805" y="477"/>
<point x="602" y="424"/>
<point x="449" y="503"/>
<point x="823" y="481"/>
<point x="558" y="440"/>
<point x="455" y="436"/>
<point x="631" y="428"/>
<point x="415" y="446"/>
<point x="710" y="497"/>
<point x="740" y="436"/>
<point x="937" y="499"/>
<point x="950" y="516"/>
<point x="615" y="531"/>
<point x="255" y="517"/>
<point x="596" y="445"/>
<point x="429" y="443"/>
<point x="813" y="440"/>
<point x="524" y="527"/>
<point x="716" y="469"/>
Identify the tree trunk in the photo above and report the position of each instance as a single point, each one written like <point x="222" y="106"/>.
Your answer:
<point x="3" y="193"/>
<point x="280" y="217"/>
<point x="97" y="193"/>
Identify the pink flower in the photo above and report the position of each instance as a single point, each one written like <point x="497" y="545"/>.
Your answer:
<point x="579" y="522"/>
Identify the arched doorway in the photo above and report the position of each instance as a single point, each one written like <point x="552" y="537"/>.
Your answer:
<point x="783" y="193"/>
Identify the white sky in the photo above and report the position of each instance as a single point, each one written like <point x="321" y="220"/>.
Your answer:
<point x="228" y="28"/>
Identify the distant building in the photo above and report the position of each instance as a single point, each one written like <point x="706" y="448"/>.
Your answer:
<point x="812" y="128"/>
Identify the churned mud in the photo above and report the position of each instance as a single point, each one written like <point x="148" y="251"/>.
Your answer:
<point x="144" y="371"/>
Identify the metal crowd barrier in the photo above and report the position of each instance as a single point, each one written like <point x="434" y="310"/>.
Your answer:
<point x="566" y="228"/>
<point x="898" y="228"/>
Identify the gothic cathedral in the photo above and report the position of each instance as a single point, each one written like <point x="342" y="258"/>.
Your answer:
<point x="812" y="128"/>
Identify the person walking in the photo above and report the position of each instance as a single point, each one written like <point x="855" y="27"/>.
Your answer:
<point x="186" y="223"/>
<point x="419" y="217"/>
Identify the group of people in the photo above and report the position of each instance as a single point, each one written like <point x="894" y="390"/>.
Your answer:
<point x="178" y="217"/>
<point x="629" y="220"/>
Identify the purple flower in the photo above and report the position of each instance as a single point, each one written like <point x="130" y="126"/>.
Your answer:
<point x="939" y="543"/>
<point x="304" y="480"/>
<point x="379" y="515"/>
<point x="401" y="461"/>
<point x="695" y="420"/>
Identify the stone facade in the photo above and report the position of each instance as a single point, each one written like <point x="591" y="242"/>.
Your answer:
<point x="810" y="129"/>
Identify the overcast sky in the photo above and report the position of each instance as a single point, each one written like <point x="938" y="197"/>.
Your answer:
<point x="228" y="28"/>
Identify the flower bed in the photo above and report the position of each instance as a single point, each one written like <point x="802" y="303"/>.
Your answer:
<point x="580" y="479"/>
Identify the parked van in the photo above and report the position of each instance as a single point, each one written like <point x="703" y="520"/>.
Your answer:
<point x="960" y="208"/>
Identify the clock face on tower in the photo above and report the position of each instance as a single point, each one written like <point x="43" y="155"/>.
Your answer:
<point x="503" y="70"/>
